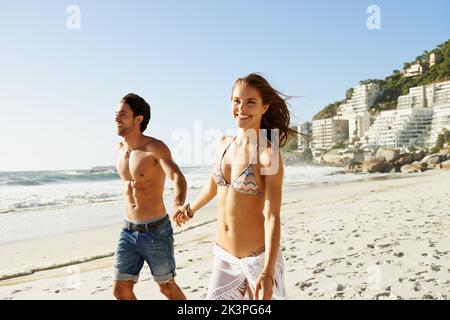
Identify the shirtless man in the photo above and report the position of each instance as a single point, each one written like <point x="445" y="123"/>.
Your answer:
<point x="143" y="163"/>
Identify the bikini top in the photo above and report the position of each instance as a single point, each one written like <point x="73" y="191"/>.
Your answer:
<point x="245" y="182"/>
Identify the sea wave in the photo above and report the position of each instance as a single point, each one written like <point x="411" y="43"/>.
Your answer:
<point x="38" y="178"/>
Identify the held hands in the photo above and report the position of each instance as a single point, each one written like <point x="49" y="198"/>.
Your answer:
<point x="182" y="214"/>
<point x="265" y="284"/>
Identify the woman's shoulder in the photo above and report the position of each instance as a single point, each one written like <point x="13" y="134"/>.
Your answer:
<point x="268" y="154"/>
<point x="224" y="140"/>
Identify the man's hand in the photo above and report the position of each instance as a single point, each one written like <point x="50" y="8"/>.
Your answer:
<point x="181" y="215"/>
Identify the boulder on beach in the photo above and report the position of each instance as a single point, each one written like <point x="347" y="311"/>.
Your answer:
<point x="445" y="164"/>
<point x="389" y="168"/>
<point x="434" y="166"/>
<point x="410" y="168"/>
<point x="355" y="166"/>
<point x="434" y="158"/>
<point x="333" y="157"/>
<point x="420" y="165"/>
<point x="388" y="153"/>
<point x="405" y="158"/>
<point x="417" y="156"/>
<point x="445" y="151"/>
<point x="374" y="165"/>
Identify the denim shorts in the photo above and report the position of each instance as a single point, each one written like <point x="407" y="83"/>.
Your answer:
<point x="154" y="247"/>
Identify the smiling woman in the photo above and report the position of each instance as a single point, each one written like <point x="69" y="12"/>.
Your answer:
<point x="257" y="91"/>
<point x="247" y="256"/>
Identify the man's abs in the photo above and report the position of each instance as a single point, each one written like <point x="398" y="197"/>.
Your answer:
<point x="144" y="201"/>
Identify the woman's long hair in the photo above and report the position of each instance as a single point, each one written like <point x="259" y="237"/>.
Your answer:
<point x="277" y="115"/>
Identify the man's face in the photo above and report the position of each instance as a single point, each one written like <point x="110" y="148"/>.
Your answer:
<point x="125" y="120"/>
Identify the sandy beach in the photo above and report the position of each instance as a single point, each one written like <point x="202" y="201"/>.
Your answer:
<point x="382" y="238"/>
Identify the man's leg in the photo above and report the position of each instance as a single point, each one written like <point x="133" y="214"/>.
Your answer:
<point x="171" y="290"/>
<point x="128" y="263"/>
<point x="123" y="290"/>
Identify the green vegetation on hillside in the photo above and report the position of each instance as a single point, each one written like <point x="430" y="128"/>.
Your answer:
<point x="441" y="141"/>
<point x="396" y="85"/>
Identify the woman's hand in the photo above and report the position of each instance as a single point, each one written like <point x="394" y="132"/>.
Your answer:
<point x="181" y="215"/>
<point x="264" y="283"/>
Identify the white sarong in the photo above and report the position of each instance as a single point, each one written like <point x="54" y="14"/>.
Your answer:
<point x="230" y="276"/>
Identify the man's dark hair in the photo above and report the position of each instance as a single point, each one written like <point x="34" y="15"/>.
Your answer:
<point x="140" y="107"/>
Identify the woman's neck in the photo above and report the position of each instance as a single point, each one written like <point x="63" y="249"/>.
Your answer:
<point x="248" y="136"/>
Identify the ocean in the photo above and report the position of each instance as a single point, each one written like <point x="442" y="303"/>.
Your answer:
<point x="41" y="203"/>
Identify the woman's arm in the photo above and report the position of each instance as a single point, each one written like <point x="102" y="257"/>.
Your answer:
<point x="208" y="193"/>
<point x="272" y="227"/>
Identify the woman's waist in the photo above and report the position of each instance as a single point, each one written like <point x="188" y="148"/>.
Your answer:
<point x="241" y="244"/>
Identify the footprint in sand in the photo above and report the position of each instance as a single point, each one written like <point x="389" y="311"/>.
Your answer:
<point x="417" y="286"/>
<point x="435" y="268"/>
<point x="98" y="290"/>
<point x="20" y="290"/>
<point x="319" y="270"/>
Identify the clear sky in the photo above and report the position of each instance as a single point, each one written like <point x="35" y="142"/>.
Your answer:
<point x="59" y="87"/>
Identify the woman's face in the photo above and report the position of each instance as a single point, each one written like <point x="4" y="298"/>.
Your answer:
<point x="247" y="107"/>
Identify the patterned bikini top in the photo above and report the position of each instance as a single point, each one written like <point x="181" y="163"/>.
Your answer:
<point x="245" y="182"/>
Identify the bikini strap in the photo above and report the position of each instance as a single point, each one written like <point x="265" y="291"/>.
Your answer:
<point x="254" y="153"/>
<point x="226" y="148"/>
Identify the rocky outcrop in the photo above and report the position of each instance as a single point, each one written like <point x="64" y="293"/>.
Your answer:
<point x="334" y="158"/>
<point x="388" y="160"/>
<point x="375" y="165"/>
<point x="419" y="165"/>
<point x="355" y="166"/>
<point x="410" y="168"/>
<point x="417" y="156"/>
<point x="389" y="154"/>
<point x="405" y="158"/>
<point x="445" y="164"/>
<point x="434" y="158"/>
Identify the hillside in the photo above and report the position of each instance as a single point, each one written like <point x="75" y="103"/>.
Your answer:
<point x="396" y="85"/>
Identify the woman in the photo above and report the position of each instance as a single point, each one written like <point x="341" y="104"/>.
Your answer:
<point x="247" y="257"/>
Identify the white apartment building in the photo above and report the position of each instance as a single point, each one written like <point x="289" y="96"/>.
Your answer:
<point x="399" y="128"/>
<point x="355" y="110"/>
<point x="434" y="58"/>
<point x="438" y="99"/>
<point x="304" y="128"/>
<point x="328" y="132"/>
<point x="420" y="117"/>
<point x="415" y="69"/>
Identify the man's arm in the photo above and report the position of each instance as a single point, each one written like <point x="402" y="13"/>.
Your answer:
<point x="172" y="170"/>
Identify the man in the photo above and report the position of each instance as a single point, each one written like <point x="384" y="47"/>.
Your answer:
<point x="143" y="163"/>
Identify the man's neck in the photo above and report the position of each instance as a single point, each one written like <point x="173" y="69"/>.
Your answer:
<point x="133" y="141"/>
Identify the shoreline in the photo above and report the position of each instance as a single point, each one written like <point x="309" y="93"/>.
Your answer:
<point x="319" y="226"/>
<point x="28" y="246"/>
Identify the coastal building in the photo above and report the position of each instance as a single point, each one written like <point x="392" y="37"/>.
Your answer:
<point x="328" y="132"/>
<point x="434" y="58"/>
<point x="420" y="117"/>
<point x="305" y="128"/>
<point x="399" y="128"/>
<point x="355" y="110"/>
<point x="438" y="98"/>
<point x="415" y="69"/>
